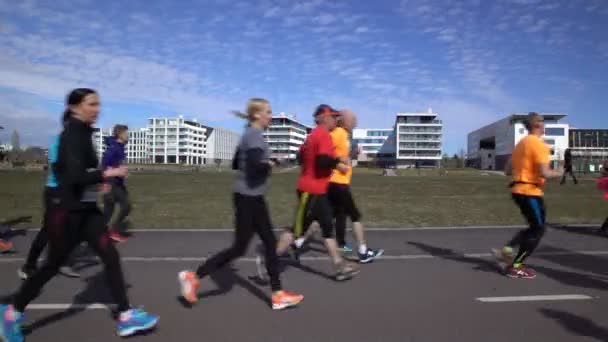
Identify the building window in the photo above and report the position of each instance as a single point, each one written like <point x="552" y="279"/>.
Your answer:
<point x="550" y="141"/>
<point x="555" y="131"/>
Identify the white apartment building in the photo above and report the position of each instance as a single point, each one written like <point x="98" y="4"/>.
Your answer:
<point x="221" y="145"/>
<point x="285" y="135"/>
<point x="377" y="144"/>
<point x="99" y="140"/>
<point x="490" y="147"/>
<point x="419" y="139"/>
<point x="176" y="141"/>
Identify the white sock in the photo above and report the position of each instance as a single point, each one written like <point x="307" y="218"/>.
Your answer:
<point x="299" y="242"/>
<point x="362" y="249"/>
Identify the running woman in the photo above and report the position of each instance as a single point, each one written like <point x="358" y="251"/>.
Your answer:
<point x="114" y="157"/>
<point x="77" y="219"/>
<point x="51" y="201"/>
<point x="530" y="168"/>
<point x="604" y="174"/>
<point x="318" y="160"/>
<point x="252" y="162"/>
<point x="5" y="246"/>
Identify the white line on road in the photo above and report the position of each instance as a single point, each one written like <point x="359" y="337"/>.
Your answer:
<point x="324" y="258"/>
<point x="371" y="229"/>
<point x="532" y="298"/>
<point x="92" y="306"/>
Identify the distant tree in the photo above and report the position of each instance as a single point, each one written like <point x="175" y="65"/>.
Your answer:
<point x="15" y="141"/>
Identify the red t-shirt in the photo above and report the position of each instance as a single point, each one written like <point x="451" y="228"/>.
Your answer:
<point x="314" y="179"/>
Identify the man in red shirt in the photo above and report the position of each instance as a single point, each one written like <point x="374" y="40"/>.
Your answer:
<point x="317" y="162"/>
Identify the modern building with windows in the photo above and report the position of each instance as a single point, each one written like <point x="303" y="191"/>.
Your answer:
<point x="221" y="145"/>
<point x="285" y="135"/>
<point x="377" y="145"/>
<point x="418" y="139"/>
<point x="589" y="148"/>
<point x="490" y="147"/>
<point x="175" y="140"/>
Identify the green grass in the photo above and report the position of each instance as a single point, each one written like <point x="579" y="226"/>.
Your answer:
<point x="203" y="199"/>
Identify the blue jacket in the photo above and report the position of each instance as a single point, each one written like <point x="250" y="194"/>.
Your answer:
<point x="114" y="156"/>
<point x="51" y="179"/>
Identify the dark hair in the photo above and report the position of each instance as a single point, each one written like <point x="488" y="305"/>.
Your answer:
<point x="75" y="97"/>
<point x="532" y="118"/>
<point x="118" y="129"/>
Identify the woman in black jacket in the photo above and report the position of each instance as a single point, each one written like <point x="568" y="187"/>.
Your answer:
<point x="77" y="218"/>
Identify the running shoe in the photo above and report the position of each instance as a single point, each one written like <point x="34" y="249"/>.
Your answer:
<point x="69" y="272"/>
<point x="135" y="320"/>
<point x="118" y="237"/>
<point x="284" y="299"/>
<point x="26" y="272"/>
<point x="189" y="284"/>
<point x="5" y="246"/>
<point x="504" y="255"/>
<point x="294" y="253"/>
<point x="10" y="324"/>
<point x="522" y="272"/>
<point x="346" y="248"/>
<point x="370" y="255"/>
<point x="346" y="270"/>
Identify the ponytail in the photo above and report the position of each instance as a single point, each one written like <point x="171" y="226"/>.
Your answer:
<point x="67" y="114"/>
<point x="254" y="105"/>
<point x="240" y="115"/>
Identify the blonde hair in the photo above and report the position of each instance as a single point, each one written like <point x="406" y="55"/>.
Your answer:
<point x="254" y="105"/>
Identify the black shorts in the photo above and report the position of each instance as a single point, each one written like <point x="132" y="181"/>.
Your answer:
<point x="342" y="201"/>
<point x="313" y="208"/>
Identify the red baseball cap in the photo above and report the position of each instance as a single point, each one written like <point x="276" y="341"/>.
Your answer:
<point x="324" y="109"/>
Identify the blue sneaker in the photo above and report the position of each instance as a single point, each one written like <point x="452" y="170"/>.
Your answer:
<point x="10" y="326"/>
<point x="370" y="255"/>
<point x="134" y="321"/>
<point x="346" y="248"/>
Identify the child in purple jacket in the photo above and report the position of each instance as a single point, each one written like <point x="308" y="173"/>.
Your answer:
<point x="113" y="157"/>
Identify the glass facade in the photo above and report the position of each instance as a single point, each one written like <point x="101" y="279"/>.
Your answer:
<point x="588" y="138"/>
<point x="555" y="132"/>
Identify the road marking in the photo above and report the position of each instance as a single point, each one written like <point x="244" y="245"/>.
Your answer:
<point x="378" y="229"/>
<point x="324" y="258"/>
<point x="532" y="298"/>
<point x="92" y="306"/>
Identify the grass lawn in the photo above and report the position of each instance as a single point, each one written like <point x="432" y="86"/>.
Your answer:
<point x="203" y="199"/>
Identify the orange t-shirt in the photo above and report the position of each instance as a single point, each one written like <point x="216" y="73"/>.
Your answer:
<point x="529" y="153"/>
<point x="339" y="136"/>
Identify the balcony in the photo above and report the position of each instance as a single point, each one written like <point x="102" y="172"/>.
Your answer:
<point x="418" y="130"/>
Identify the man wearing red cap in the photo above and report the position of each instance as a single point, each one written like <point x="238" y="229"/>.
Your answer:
<point x="318" y="160"/>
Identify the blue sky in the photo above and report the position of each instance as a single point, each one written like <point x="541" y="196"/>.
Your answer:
<point x="472" y="61"/>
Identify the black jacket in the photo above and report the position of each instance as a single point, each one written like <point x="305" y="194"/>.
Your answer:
<point x="77" y="165"/>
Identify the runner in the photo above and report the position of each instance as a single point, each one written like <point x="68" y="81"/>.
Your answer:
<point x="51" y="199"/>
<point x="340" y="196"/>
<point x="568" y="167"/>
<point x="250" y="210"/>
<point x="530" y="168"/>
<point x="77" y="219"/>
<point x="604" y="181"/>
<point x="114" y="157"/>
<point x="318" y="160"/>
<point x="5" y="245"/>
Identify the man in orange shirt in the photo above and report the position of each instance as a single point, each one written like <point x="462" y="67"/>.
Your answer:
<point x="340" y="195"/>
<point x="530" y="168"/>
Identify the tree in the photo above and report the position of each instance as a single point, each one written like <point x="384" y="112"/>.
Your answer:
<point x="15" y="141"/>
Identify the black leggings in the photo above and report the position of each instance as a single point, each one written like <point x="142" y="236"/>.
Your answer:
<point x="41" y="240"/>
<point x="66" y="230"/>
<point x="568" y="171"/>
<point x="117" y="195"/>
<point x="533" y="209"/>
<point x="251" y="216"/>
<point x="343" y="206"/>
<point x="313" y="208"/>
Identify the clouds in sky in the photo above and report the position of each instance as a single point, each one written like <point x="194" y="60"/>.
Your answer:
<point x="471" y="60"/>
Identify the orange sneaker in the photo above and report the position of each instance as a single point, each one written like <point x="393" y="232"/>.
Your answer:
<point x="5" y="246"/>
<point x="283" y="300"/>
<point x="189" y="284"/>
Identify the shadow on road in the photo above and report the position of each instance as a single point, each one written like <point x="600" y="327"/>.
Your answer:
<point x="587" y="231"/>
<point x="576" y="325"/>
<point x="482" y="265"/>
<point x="96" y="291"/>
<point x="580" y="261"/>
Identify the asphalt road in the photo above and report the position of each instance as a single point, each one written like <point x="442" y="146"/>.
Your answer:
<point x="429" y="287"/>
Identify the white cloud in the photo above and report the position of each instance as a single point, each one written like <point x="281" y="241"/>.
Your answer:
<point x="540" y="25"/>
<point x="272" y="12"/>
<point x="325" y="19"/>
<point x="362" y="29"/>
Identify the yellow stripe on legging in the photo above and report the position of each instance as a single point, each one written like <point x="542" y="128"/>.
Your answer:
<point x="300" y="214"/>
